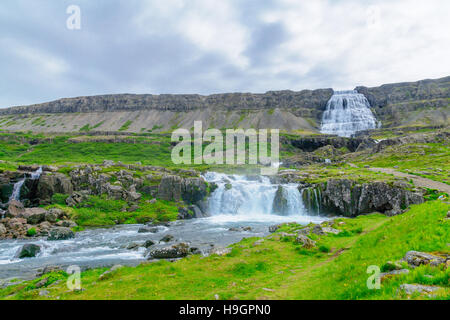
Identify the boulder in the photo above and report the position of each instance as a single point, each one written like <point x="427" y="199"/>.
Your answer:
<point x="148" y="229"/>
<point x="15" y="209"/>
<point x="28" y="251"/>
<point x="169" y="252"/>
<point x="76" y="198"/>
<point x="3" y="230"/>
<point x="60" y="233"/>
<point x="317" y="229"/>
<point x="51" y="216"/>
<point x="59" y="213"/>
<point x="167" y="238"/>
<point x="415" y="259"/>
<point x="133" y="196"/>
<point x="306" y="242"/>
<point x="35" y="215"/>
<point x="184" y="214"/>
<point x="148" y="243"/>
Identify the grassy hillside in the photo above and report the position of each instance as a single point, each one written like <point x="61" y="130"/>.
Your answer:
<point x="277" y="268"/>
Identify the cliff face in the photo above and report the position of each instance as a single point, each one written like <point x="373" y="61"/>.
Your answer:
<point x="404" y="104"/>
<point x="306" y="102"/>
<point x="410" y="103"/>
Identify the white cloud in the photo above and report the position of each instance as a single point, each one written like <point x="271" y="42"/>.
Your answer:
<point x="211" y="25"/>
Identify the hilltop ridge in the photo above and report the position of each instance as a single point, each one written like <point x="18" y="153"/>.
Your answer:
<point x="425" y="102"/>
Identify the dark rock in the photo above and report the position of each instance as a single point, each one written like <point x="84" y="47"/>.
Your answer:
<point x="49" y="184"/>
<point x="28" y="251"/>
<point x="347" y="198"/>
<point x="148" y="243"/>
<point x="280" y="202"/>
<point x="317" y="229"/>
<point x="60" y="233"/>
<point x="167" y="238"/>
<point x="176" y="251"/>
<point x="147" y="229"/>
<point x="76" y="198"/>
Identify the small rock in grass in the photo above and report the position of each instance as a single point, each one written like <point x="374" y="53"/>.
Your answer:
<point x="108" y="273"/>
<point x="41" y="283"/>
<point x="44" y="293"/>
<point x="317" y="229"/>
<point x="221" y="251"/>
<point x="410" y="289"/>
<point x="306" y="242"/>
<point x="386" y="275"/>
<point x="331" y="230"/>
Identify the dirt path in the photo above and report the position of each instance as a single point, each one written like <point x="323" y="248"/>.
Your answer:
<point x="418" y="181"/>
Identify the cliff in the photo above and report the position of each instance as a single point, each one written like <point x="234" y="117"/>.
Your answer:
<point x="425" y="102"/>
<point x="417" y="103"/>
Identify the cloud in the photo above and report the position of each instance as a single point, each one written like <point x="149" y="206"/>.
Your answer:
<point x="202" y="46"/>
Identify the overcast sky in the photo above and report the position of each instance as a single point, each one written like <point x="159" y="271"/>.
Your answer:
<point x="212" y="46"/>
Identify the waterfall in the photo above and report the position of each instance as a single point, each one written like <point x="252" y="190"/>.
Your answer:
<point x="18" y="185"/>
<point x="251" y="196"/>
<point x="348" y="112"/>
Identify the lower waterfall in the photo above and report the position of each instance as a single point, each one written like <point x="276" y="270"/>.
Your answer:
<point x="253" y="196"/>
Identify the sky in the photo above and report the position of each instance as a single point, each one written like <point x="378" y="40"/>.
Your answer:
<point x="207" y="46"/>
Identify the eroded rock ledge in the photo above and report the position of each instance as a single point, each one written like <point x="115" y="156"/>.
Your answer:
<point x="348" y="198"/>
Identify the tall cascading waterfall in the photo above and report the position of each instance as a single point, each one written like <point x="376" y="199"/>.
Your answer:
<point x="18" y="185"/>
<point x="251" y="196"/>
<point x="347" y="112"/>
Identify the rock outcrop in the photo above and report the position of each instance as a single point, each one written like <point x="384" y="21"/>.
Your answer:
<point x="348" y="198"/>
<point x="52" y="183"/>
<point x="176" y="188"/>
<point x="410" y="103"/>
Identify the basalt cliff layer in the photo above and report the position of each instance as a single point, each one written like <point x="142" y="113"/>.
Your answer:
<point x="417" y="103"/>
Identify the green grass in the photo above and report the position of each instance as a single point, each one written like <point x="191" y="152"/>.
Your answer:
<point x="431" y="160"/>
<point x="100" y="211"/>
<point x="283" y="267"/>
<point x="126" y="125"/>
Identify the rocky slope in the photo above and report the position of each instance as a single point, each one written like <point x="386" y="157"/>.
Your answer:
<point x="416" y="103"/>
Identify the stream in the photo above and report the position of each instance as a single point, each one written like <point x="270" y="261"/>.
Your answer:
<point x="238" y="202"/>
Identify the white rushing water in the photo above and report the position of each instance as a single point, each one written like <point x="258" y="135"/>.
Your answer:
<point x="18" y="185"/>
<point x="347" y="112"/>
<point x="244" y="198"/>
